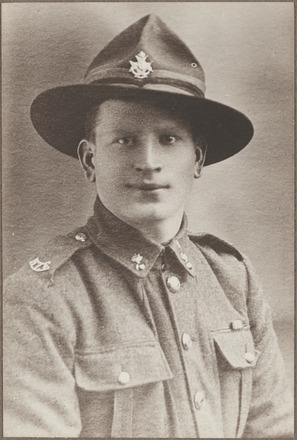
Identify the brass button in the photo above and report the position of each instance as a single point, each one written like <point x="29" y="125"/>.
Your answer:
<point x="123" y="378"/>
<point x="237" y="324"/>
<point x="81" y="237"/>
<point x="173" y="284"/>
<point x="250" y="357"/>
<point x="199" y="400"/>
<point x="187" y="341"/>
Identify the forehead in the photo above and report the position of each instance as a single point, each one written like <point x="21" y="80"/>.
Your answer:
<point x="140" y="113"/>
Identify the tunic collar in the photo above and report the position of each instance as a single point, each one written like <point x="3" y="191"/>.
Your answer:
<point x="128" y="246"/>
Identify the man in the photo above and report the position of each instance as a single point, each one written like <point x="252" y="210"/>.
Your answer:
<point x="129" y="326"/>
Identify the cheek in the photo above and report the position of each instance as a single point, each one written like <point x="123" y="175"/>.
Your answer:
<point x="112" y="171"/>
<point x="185" y="164"/>
<point x="104" y="163"/>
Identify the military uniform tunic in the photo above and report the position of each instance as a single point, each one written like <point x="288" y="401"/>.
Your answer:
<point x="110" y="334"/>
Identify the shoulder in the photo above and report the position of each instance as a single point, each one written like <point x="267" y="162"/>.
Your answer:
<point x="39" y="272"/>
<point x="227" y="263"/>
<point x="54" y="254"/>
<point x="238" y="278"/>
<point x="212" y="245"/>
<point x="225" y="255"/>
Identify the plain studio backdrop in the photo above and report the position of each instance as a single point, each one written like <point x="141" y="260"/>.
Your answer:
<point x="247" y="52"/>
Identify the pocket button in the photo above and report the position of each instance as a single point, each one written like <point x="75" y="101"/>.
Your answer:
<point x="123" y="378"/>
<point x="250" y="357"/>
<point x="237" y="324"/>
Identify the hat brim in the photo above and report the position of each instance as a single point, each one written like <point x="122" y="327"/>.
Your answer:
<point x="58" y="116"/>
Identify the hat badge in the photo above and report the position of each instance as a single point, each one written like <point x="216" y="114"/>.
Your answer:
<point x="140" y="68"/>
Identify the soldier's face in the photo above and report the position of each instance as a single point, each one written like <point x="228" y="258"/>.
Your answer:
<point x="143" y="159"/>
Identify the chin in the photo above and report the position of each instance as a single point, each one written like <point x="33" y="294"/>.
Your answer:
<point x="148" y="213"/>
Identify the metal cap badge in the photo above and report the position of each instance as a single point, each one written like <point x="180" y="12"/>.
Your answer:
<point x="141" y="68"/>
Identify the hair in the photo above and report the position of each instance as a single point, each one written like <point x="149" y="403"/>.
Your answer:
<point x="91" y="120"/>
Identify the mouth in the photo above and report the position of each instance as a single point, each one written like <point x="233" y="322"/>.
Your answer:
<point x="149" y="187"/>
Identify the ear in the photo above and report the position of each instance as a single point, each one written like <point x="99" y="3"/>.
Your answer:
<point x="85" y="152"/>
<point x="201" y="148"/>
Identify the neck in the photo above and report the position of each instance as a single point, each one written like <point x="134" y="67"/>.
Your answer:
<point x="160" y="231"/>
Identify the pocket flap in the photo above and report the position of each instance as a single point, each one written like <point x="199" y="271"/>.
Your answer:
<point x="237" y="348"/>
<point x="121" y="367"/>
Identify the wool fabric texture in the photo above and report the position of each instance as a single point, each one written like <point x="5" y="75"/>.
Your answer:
<point x="95" y="347"/>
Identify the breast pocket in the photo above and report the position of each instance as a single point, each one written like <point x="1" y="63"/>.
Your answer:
<point x="236" y="358"/>
<point x="107" y="382"/>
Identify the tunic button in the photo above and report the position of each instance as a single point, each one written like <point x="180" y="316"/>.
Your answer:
<point x="199" y="400"/>
<point x="123" y="378"/>
<point x="250" y="357"/>
<point x="173" y="284"/>
<point x="187" y="341"/>
<point x="81" y="237"/>
<point x="189" y="265"/>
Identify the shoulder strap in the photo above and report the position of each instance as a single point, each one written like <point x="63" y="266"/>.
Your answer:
<point x="217" y="244"/>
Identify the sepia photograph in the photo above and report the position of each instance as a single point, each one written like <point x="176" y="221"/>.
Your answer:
<point x="148" y="219"/>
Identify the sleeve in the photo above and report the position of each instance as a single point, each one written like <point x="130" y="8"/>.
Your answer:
<point x="271" y="409"/>
<point x="39" y="397"/>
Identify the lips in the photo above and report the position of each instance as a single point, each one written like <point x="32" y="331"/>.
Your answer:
<point x="149" y="186"/>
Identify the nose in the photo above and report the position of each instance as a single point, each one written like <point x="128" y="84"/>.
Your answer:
<point x="147" y="157"/>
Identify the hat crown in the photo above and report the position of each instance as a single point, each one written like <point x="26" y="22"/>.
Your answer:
<point x="167" y="58"/>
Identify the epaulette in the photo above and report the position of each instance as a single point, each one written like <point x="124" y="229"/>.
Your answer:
<point x="217" y="244"/>
<point x="58" y="251"/>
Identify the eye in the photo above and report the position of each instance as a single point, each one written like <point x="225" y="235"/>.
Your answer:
<point x="169" y="139"/>
<point x="125" y="141"/>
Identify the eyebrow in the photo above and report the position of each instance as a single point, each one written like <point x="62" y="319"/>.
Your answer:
<point x="116" y="132"/>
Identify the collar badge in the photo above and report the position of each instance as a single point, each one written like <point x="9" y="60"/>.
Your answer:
<point x="39" y="266"/>
<point x="137" y="258"/>
<point x="141" y="68"/>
